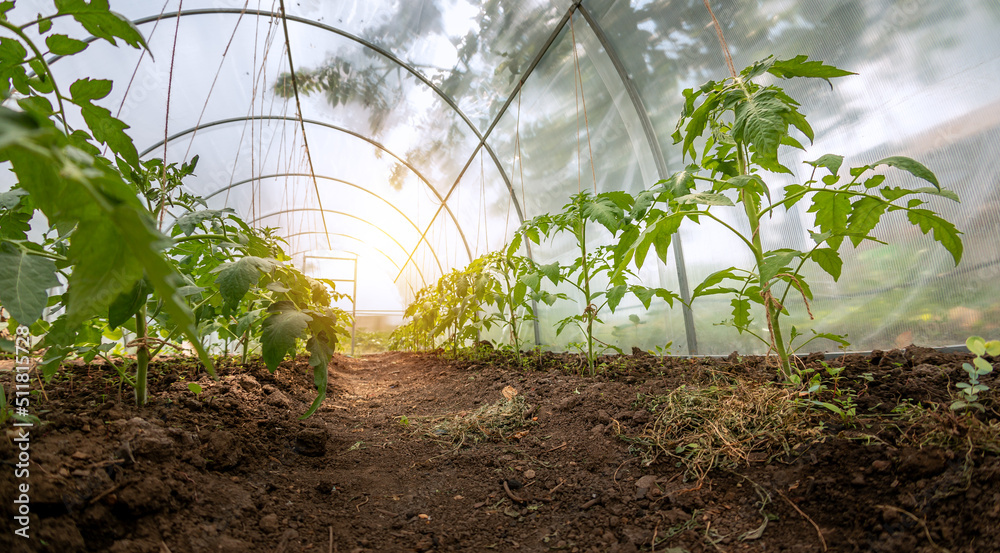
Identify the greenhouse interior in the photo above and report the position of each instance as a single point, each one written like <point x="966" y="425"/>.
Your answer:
<point x="682" y="179"/>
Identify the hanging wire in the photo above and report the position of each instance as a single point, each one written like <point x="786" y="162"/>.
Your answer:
<point x="586" y="117"/>
<point x="298" y="106"/>
<point x="216" y="78"/>
<point x="166" y="122"/>
<point x="142" y="55"/>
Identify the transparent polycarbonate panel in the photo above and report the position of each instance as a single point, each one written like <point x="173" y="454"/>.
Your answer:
<point x="473" y="52"/>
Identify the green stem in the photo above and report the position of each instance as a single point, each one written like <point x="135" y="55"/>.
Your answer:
<point x="141" y="357"/>
<point x="773" y="313"/>
<point x="200" y="237"/>
<point x="586" y="291"/>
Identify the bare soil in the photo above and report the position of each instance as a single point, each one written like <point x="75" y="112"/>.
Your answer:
<point x="381" y="467"/>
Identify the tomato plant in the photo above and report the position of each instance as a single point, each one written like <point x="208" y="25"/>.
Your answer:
<point x="594" y="273"/>
<point x="747" y="123"/>
<point x="105" y="243"/>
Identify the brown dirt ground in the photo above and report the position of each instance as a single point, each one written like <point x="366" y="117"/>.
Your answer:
<point x="234" y="470"/>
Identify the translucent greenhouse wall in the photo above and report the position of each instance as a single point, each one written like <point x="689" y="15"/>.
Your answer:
<point x="436" y="127"/>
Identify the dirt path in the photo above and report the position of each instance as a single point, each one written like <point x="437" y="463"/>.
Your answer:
<point x="415" y="452"/>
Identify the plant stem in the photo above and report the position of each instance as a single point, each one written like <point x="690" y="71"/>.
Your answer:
<point x="588" y="312"/>
<point x="141" y="357"/>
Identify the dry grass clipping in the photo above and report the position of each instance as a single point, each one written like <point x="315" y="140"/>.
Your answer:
<point x="493" y="422"/>
<point x="721" y="426"/>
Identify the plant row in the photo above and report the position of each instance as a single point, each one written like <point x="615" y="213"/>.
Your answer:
<point x="732" y="130"/>
<point x="83" y="238"/>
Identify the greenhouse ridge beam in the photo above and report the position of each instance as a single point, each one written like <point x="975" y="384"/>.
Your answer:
<point x="378" y="145"/>
<point x="324" y="177"/>
<point x="661" y="169"/>
<point x="367" y="44"/>
<point x="496" y="120"/>
<point x="302" y="123"/>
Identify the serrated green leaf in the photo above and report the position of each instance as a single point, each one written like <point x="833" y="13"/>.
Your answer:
<point x="604" y="211"/>
<point x="282" y="327"/>
<point x="829" y="260"/>
<point x="679" y="184"/>
<point x="865" y="214"/>
<point x="706" y="286"/>
<point x="614" y="296"/>
<point x="799" y="66"/>
<point x="911" y="166"/>
<point x="24" y="283"/>
<point x="62" y="45"/>
<point x="551" y="271"/>
<point x="706" y="198"/>
<point x="100" y="21"/>
<point x="190" y="221"/>
<point x="741" y="314"/>
<point x="944" y="232"/>
<point x="831" y="162"/>
<point x="832" y="210"/>
<point x="774" y="262"/>
<point x="105" y="128"/>
<point x="236" y="277"/>
<point x="759" y="121"/>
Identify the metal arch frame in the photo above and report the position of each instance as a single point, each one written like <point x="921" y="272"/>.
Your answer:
<point x="496" y="120"/>
<point x="631" y="90"/>
<point x="324" y="177"/>
<point x="367" y="44"/>
<point x="661" y="166"/>
<point x="323" y="212"/>
<point x="375" y="143"/>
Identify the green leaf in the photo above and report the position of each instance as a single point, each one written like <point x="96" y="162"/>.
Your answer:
<point x="282" y="327"/>
<point x="832" y="337"/>
<point x="832" y="210"/>
<point x="605" y="212"/>
<point x="128" y="304"/>
<point x="944" y="232"/>
<point x="993" y="348"/>
<point x="865" y="214"/>
<point x="799" y="66"/>
<point x="774" y="262"/>
<point x="831" y="162"/>
<point x="190" y="221"/>
<point x="706" y="198"/>
<point x="24" y="283"/>
<point x="551" y="271"/>
<point x="976" y="345"/>
<point x="679" y="184"/>
<point x="100" y="21"/>
<point x="105" y="128"/>
<point x="741" y="314"/>
<point x="759" y="121"/>
<point x="62" y="45"/>
<point x="236" y="277"/>
<point x="911" y="166"/>
<point x="829" y="260"/>
<point x="615" y="295"/>
<point x="705" y="288"/>
<point x="11" y="198"/>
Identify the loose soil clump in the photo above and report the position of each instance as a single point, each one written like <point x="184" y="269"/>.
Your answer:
<point x="420" y="452"/>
